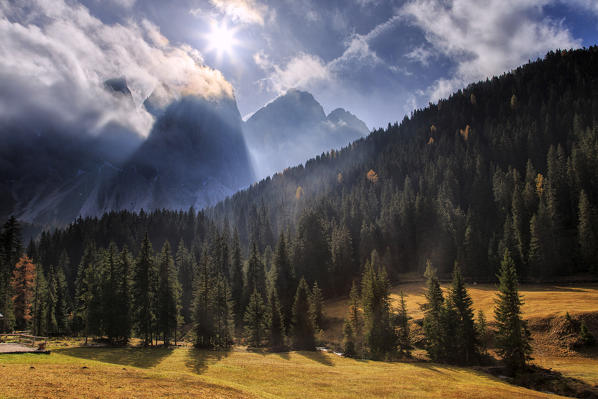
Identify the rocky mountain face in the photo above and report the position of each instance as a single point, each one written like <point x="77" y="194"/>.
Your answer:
<point x="293" y="128"/>
<point x="195" y="155"/>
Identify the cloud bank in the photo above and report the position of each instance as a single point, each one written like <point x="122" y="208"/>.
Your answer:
<point x="55" y="57"/>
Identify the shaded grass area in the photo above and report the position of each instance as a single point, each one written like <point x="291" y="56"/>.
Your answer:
<point x="187" y="372"/>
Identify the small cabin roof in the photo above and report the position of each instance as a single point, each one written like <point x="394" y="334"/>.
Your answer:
<point x="1" y="316"/>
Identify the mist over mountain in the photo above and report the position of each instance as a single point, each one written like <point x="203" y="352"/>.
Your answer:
<point x="195" y="155"/>
<point x="294" y="128"/>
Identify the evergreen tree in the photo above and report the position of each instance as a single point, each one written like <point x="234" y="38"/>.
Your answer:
<point x="223" y="313"/>
<point x="403" y="336"/>
<point x="237" y="280"/>
<point x="255" y="320"/>
<point x="123" y="318"/>
<point x="83" y="290"/>
<point x="433" y="316"/>
<point x="185" y="267"/>
<point x="379" y="334"/>
<point x="316" y="301"/>
<point x="50" y="299"/>
<point x="586" y="238"/>
<point x="255" y="278"/>
<point x="62" y="305"/>
<point x="281" y="278"/>
<point x="11" y="249"/>
<point x="275" y="322"/>
<point x="466" y="339"/>
<point x="303" y="328"/>
<point x="111" y="293"/>
<point x="39" y="303"/>
<point x="482" y="331"/>
<point x="348" y="339"/>
<point x="168" y="295"/>
<point x="203" y="304"/>
<point x="512" y="336"/>
<point x="143" y="291"/>
<point x="354" y="317"/>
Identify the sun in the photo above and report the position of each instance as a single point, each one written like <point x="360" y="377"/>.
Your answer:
<point x="221" y="39"/>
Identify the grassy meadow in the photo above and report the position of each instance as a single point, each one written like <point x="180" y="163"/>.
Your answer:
<point x="186" y="372"/>
<point x="75" y="371"/>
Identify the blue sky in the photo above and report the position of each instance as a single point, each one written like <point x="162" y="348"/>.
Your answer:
<point x="378" y="59"/>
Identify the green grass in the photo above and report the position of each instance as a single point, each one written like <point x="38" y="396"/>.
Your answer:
<point x="186" y="372"/>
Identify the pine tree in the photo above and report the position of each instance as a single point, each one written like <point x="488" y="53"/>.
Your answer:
<point x="23" y="286"/>
<point x="433" y="316"/>
<point x="355" y="318"/>
<point x="403" y="337"/>
<point x="303" y="328"/>
<point x="83" y="290"/>
<point x="143" y="291"/>
<point x="281" y="278"/>
<point x="237" y="280"/>
<point x="11" y="250"/>
<point x="348" y="339"/>
<point x="203" y="308"/>
<point x="588" y="245"/>
<point x="62" y="306"/>
<point x="123" y="317"/>
<point x="316" y="301"/>
<point x="275" y="322"/>
<point x="168" y="295"/>
<point x="39" y="303"/>
<point x="379" y="334"/>
<point x="255" y="320"/>
<point x="223" y="313"/>
<point x="255" y="278"/>
<point x="51" y="294"/>
<point x="482" y="331"/>
<point x="111" y="293"/>
<point x="466" y="339"/>
<point x="185" y="267"/>
<point x="512" y="336"/>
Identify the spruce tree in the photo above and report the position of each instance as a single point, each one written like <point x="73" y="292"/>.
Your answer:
<point x="379" y="334"/>
<point x="83" y="290"/>
<point x="223" y="313"/>
<point x="203" y="306"/>
<point x="185" y="268"/>
<point x="403" y="336"/>
<point x="355" y="317"/>
<point x="143" y="291"/>
<point x="303" y="328"/>
<point x="466" y="339"/>
<point x="316" y="301"/>
<point x="586" y="238"/>
<point x="123" y="318"/>
<point x="512" y="336"/>
<point x="482" y="331"/>
<point x="111" y="293"/>
<point x="237" y="280"/>
<point x="255" y="320"/>
<point x="168" y="295"/>
<point x="348" y="339"/>
<point x="50" y="300"/>
<point x="433" y="316"/>
<point x="255" y="279"/>
<point x="39" y="303"/>
<point x="62" y="305"/>
<point x="275" y="322"/>
<point x="281" y="278"/>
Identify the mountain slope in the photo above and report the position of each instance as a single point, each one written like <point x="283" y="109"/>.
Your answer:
<point x="293" y="128"/>
<point x="195" y="155"/>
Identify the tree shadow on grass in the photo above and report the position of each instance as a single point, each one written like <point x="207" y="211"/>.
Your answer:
<point x="136" y="357"/>
<point x="198" y="360"/>
<point x="317" y="356"/>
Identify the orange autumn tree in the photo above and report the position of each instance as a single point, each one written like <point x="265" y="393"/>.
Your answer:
<point x="23" y="284"/>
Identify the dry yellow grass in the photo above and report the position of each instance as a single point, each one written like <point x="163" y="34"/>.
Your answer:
<point x="185" y="372"/>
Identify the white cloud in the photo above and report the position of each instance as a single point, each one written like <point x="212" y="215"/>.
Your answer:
<point x="420" y="54"/>
<point x="243" y="11"/>
<point x="301" y="71"/>
<point x="487" y="37"/>
<point x="63" y="61"/>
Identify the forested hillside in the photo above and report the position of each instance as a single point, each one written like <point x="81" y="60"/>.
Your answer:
<point x="509" y="163"/>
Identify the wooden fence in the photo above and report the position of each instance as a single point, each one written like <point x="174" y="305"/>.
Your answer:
<point x="23" y="337"/>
